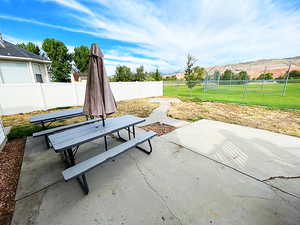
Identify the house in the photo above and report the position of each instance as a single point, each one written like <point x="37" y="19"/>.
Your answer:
<point x="79" y="77"/>
<point x="18" y="65"/>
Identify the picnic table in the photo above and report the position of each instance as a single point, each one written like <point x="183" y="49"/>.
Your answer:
<point x="53" y="116"/>
<point x="68" y="142"/>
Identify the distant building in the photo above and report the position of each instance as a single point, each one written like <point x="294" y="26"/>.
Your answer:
<point x="79" y="77"/>
<point x="179" y="76"/>
<point x="18" y="65"/>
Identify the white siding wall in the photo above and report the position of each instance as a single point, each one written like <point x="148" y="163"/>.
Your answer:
<point x="39" y="68"/>
<point x="21" y="98"/>
<point x="15" y="72"/>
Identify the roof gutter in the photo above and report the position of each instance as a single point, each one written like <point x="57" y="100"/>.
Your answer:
<point x="10" y="58"/>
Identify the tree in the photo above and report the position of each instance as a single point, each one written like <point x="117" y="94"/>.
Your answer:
<point x="227" y="75"/>
<point x="156" y="75"/>
<point x="30" y="47"/>
<point x="198" y="73"/>
<point x="57" y="52"/>
<point x="81" y="58"/>
<point x="189" y="73"/>
<point x="243" y="75"/>
<point x="122" y="73"/>
<point x="217" y="75"/>
<point x="294" y="74"/>
<point x="265" y="76"/>
<point x="140" y="74"/>
<point x="169" y="78"/>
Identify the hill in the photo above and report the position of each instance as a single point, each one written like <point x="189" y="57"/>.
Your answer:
<point x="254" y="68"/>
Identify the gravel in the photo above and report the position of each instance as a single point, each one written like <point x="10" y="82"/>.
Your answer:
<point x="10" y="165"/>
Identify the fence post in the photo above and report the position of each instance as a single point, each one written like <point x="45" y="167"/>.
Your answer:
<point x="76" y="94"/>
<point x="263" y="83"/>
<point x="43" y="97"/>
<point x="286" y="80"/>
<point x="245" y="88"/>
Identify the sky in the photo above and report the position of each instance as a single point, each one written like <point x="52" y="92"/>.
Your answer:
<point x="160" y="33"/>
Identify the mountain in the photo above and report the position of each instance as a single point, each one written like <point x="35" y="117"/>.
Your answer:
<point x="254" y="68"/>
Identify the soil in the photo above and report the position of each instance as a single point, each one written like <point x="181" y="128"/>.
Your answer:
<point x="159" y="128"/>
<point x="280" y="121"/>
<point x="10" y="165"/>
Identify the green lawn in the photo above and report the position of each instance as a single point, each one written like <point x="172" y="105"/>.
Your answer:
<point x="255" y="94"/>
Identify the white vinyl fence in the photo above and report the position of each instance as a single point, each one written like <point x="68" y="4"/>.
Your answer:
<point x="22" y="98"/>
<point x="2" y="136"/>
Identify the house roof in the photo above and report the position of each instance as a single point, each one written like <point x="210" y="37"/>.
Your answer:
<point x="8" y="50"/>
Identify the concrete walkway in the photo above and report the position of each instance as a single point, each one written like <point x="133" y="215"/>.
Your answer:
<point x="160" y="113"/>
<point x="176" y="184"/>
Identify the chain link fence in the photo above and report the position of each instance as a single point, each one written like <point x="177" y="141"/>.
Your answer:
<point x="261" y="92"/>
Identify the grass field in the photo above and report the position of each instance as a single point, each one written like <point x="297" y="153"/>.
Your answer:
<point x="255" y="94"/>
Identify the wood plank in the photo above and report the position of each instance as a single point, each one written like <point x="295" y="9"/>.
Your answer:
<point x="91" y="163"/>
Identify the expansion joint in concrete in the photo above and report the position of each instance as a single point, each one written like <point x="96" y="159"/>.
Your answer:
<point x="281" y="177"/>
<point x="239" y="171"/>
<point x="154" y="190"/>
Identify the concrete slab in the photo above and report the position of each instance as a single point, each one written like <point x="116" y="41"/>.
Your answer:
<point x="43" y="167"/>
<point x="259" y="153"/>
<point x="160" y="113"/>
<point x="173" y="185"/>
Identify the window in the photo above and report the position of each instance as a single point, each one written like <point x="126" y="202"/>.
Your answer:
<point x="38" y="78"/>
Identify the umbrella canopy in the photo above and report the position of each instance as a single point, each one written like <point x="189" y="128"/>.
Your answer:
<point x="99" y="100"/>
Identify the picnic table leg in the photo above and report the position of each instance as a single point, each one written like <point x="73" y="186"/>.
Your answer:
<point x="129" y="136"/>
<point x="83" y="183"/>
<point x="133" y="131"/>
<point x="47" y="141"/>
<point x="105" y="143"/>
<point x="138" y="147"/>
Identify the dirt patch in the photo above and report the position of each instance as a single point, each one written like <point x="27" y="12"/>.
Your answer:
<point x="159" y="128"/>
<point x="137" y="107"/>
<point x="280" y="121"/>
<point x="10" y="165"/>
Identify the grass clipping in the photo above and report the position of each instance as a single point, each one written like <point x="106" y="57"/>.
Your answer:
<point x="280" y="121"/>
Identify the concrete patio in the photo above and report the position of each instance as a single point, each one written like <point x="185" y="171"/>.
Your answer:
<point x="192" y="177"/>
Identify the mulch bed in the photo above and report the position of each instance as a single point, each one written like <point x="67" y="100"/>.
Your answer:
<point x="159" y="128"/>
<point x="10" y="165"/>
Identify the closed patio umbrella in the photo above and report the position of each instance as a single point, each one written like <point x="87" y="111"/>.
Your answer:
<point x="99" y="100"/>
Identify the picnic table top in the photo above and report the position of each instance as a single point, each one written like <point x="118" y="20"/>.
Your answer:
<point x="47" y="117"/>
<point x="85" y="133"/>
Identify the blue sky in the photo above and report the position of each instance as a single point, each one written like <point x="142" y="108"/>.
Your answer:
<point x="159" y="34"/>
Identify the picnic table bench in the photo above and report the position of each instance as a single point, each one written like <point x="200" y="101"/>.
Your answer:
<point x="68" y="142"/>
<point x="48" y="132"/>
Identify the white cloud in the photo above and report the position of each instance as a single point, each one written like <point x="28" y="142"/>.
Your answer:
<point x="39" y="43"/>
<point x="16" y="40"/>
<point x="163" y="32"/>
<point x="215" y="31"/>
<point x="72" y="4"/>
